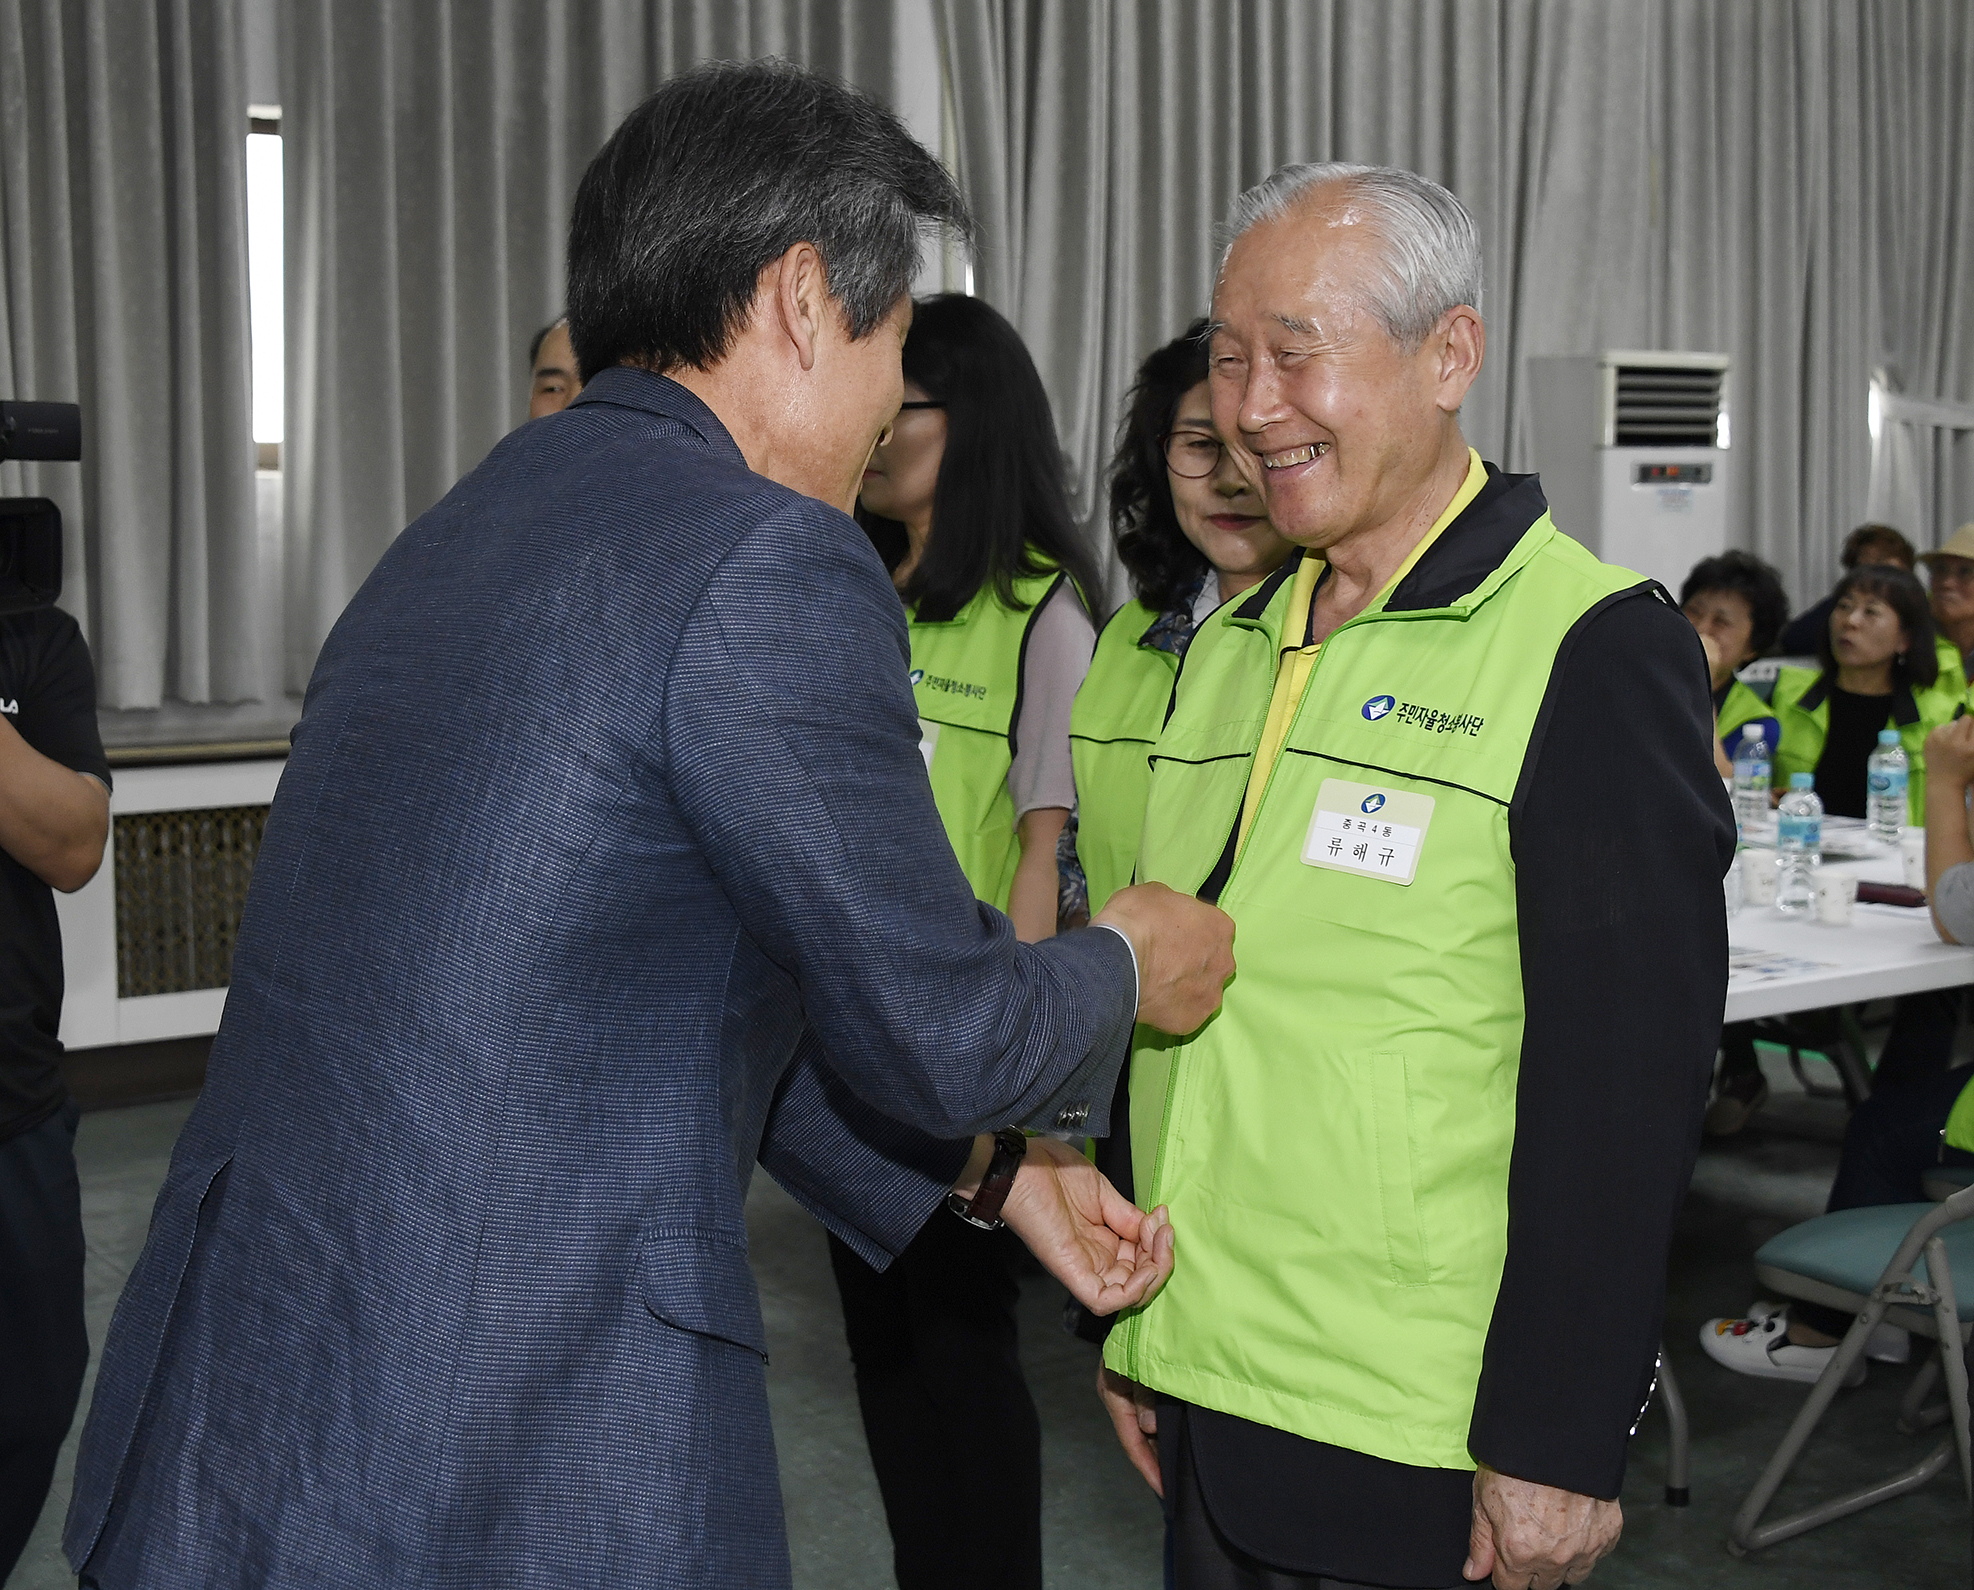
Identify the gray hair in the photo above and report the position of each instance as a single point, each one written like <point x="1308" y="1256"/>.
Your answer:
<point x="1432" y="256"/>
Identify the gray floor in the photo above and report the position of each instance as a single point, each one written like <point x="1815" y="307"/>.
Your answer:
<point x="1101" y="1524"/>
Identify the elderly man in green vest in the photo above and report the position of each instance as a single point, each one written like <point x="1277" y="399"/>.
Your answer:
<point x="1450" y="775"/>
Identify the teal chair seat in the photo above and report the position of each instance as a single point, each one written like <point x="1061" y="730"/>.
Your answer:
<point x="1849" y="1250"/>
<point x="1943" y="1181"/>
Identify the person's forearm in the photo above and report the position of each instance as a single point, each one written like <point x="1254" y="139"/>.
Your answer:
<point x="1032" y="899"/>
<point x="1947" y="842"/>
<point x="53" y="821"/>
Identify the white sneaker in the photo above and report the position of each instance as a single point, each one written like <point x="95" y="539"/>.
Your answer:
<point x="1887" y="1344"/>
<point x="1761" y="1347"/>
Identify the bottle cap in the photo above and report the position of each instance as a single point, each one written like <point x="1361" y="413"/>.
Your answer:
<point x="1888" y="736"/>
<point x="1751" y="731"/>
<point x="1802" y="781"/>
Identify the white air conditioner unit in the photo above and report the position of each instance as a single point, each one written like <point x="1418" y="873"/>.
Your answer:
<point x="1632" y="450"/>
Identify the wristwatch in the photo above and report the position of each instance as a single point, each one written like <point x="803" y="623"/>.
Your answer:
<point x="983" y="1209"/>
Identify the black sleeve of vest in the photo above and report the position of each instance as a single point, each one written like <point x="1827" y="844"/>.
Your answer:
<point x="1621" y="834"/>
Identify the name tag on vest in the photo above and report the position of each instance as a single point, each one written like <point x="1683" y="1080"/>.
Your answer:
<point x="1368" y="830"/>
<point x="928" y="741"/>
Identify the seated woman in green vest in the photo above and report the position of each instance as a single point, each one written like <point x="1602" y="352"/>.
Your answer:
<point x="1904" y="1130"/>
<point x="1737" y="604"/>
<point x="966" y="500"/>
<point x="1191" y="533"/>
<point x="1879" y="672"/>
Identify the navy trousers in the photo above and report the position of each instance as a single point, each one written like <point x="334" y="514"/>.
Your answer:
<point x="44" y="1345"/>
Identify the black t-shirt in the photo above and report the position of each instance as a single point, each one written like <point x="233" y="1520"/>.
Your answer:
<point x="1854" y="724"/>
<point x="48" y="694"/>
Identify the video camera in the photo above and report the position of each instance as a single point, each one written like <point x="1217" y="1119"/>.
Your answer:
<point x="31" y="527"/>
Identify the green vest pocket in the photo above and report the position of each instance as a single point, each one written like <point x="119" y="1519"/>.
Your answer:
<point x="1391" y="1115"/>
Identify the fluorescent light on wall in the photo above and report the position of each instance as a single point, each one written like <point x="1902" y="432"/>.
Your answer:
<point x="264" y="284"/>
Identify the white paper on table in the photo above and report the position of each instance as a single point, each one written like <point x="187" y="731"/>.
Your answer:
<point x="1766" y="966"/>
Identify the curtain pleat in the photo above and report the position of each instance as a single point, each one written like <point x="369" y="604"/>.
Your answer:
<point x="1792" y="185"/>
<point x="433" y="149"/>
<point x="123" y="277"/>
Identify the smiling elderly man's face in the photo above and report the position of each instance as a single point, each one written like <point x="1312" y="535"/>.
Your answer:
<point x="1339" y="425"/>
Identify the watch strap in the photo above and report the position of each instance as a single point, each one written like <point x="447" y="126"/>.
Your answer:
<point x="983" y="1209"/>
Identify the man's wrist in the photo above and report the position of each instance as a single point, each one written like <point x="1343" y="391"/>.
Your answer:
<point x="968" y="1182"/>
<point x="1137" y="984"/>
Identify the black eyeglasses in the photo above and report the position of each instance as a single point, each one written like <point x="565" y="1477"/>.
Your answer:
<point x="922" y="403"/>
<point x="1193" y="455"/>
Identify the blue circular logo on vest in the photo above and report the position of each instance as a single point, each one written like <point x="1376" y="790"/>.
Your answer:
<point x="1378" y="706"/>
<point x="917" y="674"/>
<point x="1371" y="803"/>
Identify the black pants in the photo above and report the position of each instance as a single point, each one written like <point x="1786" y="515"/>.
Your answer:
<point x="952" y="1429"/>
<point x="44" y="1346"/>
<point x="1920" y="1044"/>
<point x="1892" y="1141"/>
<point x="1199" y="1556"/>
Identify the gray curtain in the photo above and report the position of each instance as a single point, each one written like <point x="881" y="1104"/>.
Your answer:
<point x="1706" y="175"/>
<point x="432" y="150"/>
<point x="123" y="287"/>
<point x="1919" y="64"/>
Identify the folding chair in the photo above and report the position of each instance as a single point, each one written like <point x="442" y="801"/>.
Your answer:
<point x="1679" y="1436"/>
<point x="1894" y="1263"/>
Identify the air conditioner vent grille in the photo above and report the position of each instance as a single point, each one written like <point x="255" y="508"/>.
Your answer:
<point x="1666" y="406"/>
<point x="181" y="884"/>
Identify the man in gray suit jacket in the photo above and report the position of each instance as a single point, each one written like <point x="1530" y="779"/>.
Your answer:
<point x="605" y="864"/>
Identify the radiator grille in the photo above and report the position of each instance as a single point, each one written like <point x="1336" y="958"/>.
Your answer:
<point x="181" y="884"/>
<point x="1667" y="406"/>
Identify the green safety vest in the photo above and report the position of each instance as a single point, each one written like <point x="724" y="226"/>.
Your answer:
<point x="1960" y="1121"/>
<point x="1333" y="1145"/>
<point x="966" y="676"/>
<point x="1802" y="710"/>
<point x="1741" y="705"/>
<point x="1953" y="670"/>
<point x="1116" y="721"/>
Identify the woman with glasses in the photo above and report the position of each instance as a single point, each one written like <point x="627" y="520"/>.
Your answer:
<point x="1192" y="533"/>
<point x="965" y="498"/>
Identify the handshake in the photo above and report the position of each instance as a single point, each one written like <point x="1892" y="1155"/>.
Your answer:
<point x="1107" y="1251"/>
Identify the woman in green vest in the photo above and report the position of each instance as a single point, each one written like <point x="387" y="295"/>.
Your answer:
<point x="1879" y="669"/>
<point x="1737" y="604"/>
<point x="966" y="500"/>
<point x="1191" y="533"/>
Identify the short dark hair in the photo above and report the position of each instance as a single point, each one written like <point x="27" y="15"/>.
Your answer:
<point x="534" y="347"/>
<point x="1902" y="592"/>
<point x="1001" y="497"/>
<point x="1876" y="538"/>
<point x="1754" y="581"/>
<point x="718" y="174"/>
<point x="1162" y="563"/>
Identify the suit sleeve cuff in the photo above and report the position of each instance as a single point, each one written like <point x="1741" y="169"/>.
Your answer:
<point x="1080" y="1106"/>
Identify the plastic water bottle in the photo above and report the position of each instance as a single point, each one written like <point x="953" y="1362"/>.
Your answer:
<point x="1799" y="846"/>
<point x="1884" y="783"/>
<point x="1751" y="780"/>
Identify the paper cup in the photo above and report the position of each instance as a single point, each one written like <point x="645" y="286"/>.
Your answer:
<point x="1836" y="897"/>
<point x="1758" y="877"/>
<point x="1912" y="857"/>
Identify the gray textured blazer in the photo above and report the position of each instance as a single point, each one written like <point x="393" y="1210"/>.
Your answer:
<point x="604" y="865"/>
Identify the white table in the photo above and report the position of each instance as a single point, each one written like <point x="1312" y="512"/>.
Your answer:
<point x="1884" y="951"/>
